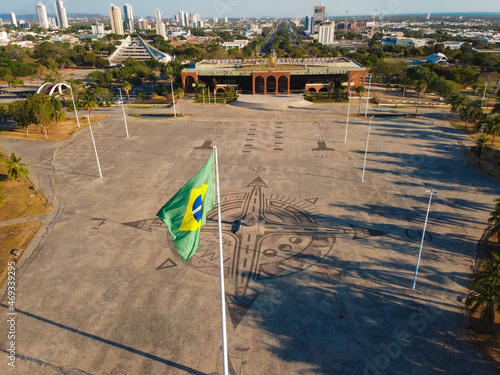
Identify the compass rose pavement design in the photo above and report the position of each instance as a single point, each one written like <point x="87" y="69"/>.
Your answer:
<point x="264" y="236"/>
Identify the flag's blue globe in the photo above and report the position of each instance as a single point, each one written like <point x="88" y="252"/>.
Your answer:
<point x="197" y="208"/>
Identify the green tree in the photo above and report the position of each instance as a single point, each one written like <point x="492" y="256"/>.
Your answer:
<point x="490" y="271"/>
<point x="21" y="114"/>
<point x="88" y="102"/>
<point x="487" y="297"/>
<point x="471" y="111"/>
<point x="492" y="125"/>
<point x="58" y="116"/>
<point x="3" y="114"/>
<point x="481" y="147"/>
<point x="495" y="219"/>
<point x="457" y="102"/>
<point x="15" y="169"/>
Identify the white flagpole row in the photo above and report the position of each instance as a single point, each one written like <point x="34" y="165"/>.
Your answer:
<point x="221" y="266"/>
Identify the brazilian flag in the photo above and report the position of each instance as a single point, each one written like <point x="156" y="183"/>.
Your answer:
<point x="187" y="211"/>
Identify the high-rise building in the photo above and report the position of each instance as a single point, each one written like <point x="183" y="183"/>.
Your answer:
<point x="143" y="24"/>
<point x="53" y="23"/>
<point x="428" y="16"/>
<point x="128" y="22"/>
<point x="318" y="18"/>
<point x="326" y="33"/>
<point x="182" y="18"/>
<point x="195" y="19"/>
<point x="41" y="12"/>
<point x="98" y="29"/>
<point x="115" y="16"/>
<point x="62" y="19"/>
<point x="13" y="19"/>
<point x="160" y="26"/>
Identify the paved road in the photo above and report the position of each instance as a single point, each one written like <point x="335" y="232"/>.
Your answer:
<point x="320" y="285"/>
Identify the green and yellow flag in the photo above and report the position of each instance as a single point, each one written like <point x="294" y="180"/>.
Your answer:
<point x="187" y="211"/>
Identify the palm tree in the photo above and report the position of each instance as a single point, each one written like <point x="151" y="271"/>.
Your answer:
<point x="421" y="87"/>
<point x="15" y="169"/>
<point x="3" y="114"/>
<point x="495" y="219"/>
<point x="493" y="126"/>
<point x="127" y="87"/>
<point x="89" y="102"/>
<point x="457" y="102"/>
<point x="481" y="147"/>
<point x="471" y="111"/>
<point x="490" y="271"/>
<point x="58" y="116"/>
<point x="487" y="296"/>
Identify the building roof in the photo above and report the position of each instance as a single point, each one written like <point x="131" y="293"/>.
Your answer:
<point x="234" y="67"/>
<point x="436" y="58"/>
<point x="136" y="48"/>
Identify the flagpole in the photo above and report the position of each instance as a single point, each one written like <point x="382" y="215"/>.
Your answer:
<point x="221" y="266"/>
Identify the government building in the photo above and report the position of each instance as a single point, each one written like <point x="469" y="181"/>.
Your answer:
<point x="276" y="76"/>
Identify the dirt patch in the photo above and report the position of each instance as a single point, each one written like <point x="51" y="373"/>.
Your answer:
<point x="54" y="133"/>
<point x="22" y="201"/>
<point x="490" y="162"/>
<point x="14" y="239"/>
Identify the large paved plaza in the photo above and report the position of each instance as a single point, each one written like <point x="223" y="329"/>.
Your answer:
<point x="321" y="284"/>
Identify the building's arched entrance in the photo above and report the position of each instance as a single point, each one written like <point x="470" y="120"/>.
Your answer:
<point x="189" y="84"/>
<point x="271" y="84"/>
<point x="283" y="84"/>
<point x="259" y="85"/>
<point x="323" y="90"/>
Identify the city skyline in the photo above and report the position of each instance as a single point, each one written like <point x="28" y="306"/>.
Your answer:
<point x="261" y="8"/>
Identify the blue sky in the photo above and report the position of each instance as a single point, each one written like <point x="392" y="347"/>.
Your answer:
<point x="258" y="8"/>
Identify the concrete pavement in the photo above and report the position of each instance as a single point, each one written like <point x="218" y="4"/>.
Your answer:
<point x="322" y="283"/>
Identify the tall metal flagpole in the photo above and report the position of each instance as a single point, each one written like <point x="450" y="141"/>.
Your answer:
<point x="74" y="105"/>
<point x="221" y="266"/>
<point x="423" y="236"/>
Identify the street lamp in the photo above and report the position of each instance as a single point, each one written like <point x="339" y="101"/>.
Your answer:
<point x="432" y="191"/>
<point x="366" y="150"/>
<point x="74" y="105"/>
<point x="173" y="97"/>
<point x="123" y="109"/>
<point x="95" y="149"/>
<point x="347" y="121"/>
<point x="368" y="98"/>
